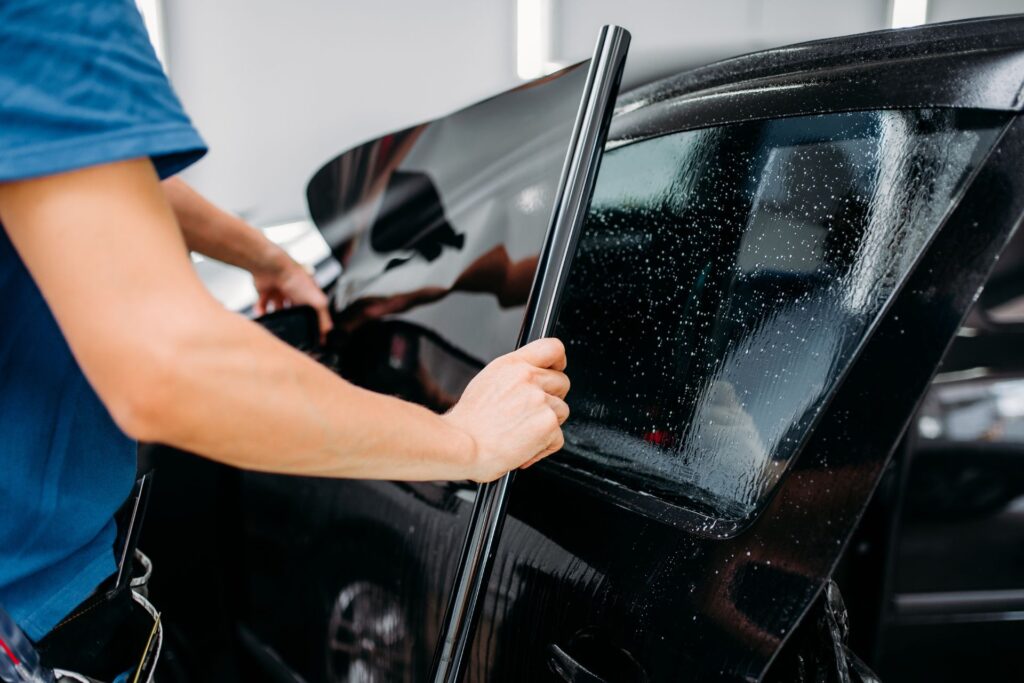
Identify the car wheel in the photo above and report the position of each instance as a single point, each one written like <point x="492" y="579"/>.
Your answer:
<point x="369" y="639"/>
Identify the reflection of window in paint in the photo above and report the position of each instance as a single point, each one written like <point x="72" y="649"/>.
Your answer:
<point x="724" y="280"/>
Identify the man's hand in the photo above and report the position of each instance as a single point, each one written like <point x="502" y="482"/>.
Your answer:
<point x="514" y="409"/>
<point x="283" y="283"/>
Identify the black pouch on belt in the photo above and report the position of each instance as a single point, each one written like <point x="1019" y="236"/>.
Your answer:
<point x="116" y="629"/>
<point x="113" y="632"/>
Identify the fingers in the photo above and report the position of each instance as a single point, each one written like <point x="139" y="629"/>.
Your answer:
<point x="559" y="407"/>
<point x="544" y="353"/>
<point x="270" y="301"/>
<point x="261" y="305"/>
<point x="326" y="324"/>
<point x="533" y="462"/>
<point x="561" y="411"/>
<point x="552" y="382"/>
<point x="557" y="442"/>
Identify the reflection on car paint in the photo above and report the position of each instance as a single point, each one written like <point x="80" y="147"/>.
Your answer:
<point x="758" y="255"/>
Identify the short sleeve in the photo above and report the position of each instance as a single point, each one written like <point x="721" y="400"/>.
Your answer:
<point x="80" y="85"/>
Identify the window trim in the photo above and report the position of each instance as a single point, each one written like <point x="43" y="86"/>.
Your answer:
<point x="852" y="73"/>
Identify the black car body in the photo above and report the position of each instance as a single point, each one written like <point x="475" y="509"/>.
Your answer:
<point x="773" y="284"/>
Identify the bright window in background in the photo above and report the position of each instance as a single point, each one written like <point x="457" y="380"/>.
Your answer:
<point x="908" y="13"/>
<point x="534" y="19"/>
<point x="152" y="15"/>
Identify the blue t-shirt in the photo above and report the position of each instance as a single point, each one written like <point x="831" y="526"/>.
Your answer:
<point x="79" y="86"/>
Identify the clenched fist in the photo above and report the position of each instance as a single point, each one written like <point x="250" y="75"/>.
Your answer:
<point x="514" y="409"/>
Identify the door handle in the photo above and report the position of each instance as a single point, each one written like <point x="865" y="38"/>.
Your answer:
<point x="568" y="669"/>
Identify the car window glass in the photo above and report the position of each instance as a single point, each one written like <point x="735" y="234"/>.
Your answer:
<point x="725" y="279"/>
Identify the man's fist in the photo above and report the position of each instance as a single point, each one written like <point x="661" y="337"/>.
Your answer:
<point x="514" y="409"/>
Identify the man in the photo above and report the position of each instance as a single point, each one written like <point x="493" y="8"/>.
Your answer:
<point x="107" y="336"/>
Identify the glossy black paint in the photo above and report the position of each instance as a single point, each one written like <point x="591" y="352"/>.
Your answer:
<point x="584" y="586"/>
<point x="956" y="567"/>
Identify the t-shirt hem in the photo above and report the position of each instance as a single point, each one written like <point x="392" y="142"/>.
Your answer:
<point x="45" y="617"/>
<point x="172" y="148"/>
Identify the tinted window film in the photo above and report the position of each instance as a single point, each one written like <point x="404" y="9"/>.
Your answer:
<point x="439" y="226"/>
<point x="725" y="279"/>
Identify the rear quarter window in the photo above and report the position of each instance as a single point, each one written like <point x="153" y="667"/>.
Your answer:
<point x="725" y="279"/>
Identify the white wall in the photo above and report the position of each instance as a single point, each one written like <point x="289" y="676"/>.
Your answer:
<point x="949" y="10"/>
<point x="669" y="34"/>
<point x="278" y="87"/>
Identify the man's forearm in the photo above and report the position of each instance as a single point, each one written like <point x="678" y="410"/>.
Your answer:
<point x="240" y="396"/>
<point x="218" y="234"/>
<point x="172" y="365"/>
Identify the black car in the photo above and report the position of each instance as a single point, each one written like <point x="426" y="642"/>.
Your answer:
<point x="792" y="324"/>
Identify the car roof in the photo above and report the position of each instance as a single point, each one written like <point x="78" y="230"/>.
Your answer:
<point x="975" y="63"/>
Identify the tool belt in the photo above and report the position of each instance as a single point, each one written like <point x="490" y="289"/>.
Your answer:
<point x="114" y="636"/>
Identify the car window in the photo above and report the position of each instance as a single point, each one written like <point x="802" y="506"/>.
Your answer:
<point x="725" y="279"/>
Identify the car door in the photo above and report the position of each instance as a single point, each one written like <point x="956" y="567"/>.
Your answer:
<point x="752" y="314"/>
<point x="438" y="228"/>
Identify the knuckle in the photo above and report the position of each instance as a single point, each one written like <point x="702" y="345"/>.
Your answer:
<point x="515" y="370"/>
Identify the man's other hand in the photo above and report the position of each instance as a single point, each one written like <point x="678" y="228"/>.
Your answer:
<point x="283" y="282"/>
<point x="514" y="409"/>
<point x="209" y="230"/>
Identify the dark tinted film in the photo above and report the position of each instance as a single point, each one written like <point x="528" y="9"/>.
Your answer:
<point x="725" y="279"/>
<point x="439" y="227"/>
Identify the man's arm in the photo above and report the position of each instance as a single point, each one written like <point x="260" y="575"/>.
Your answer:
<point x="211" y="231"/>
<point x="173" y="366"/>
